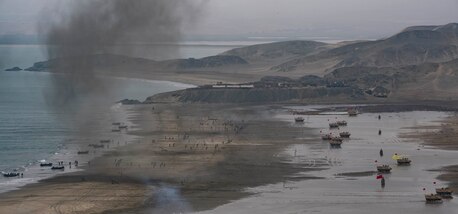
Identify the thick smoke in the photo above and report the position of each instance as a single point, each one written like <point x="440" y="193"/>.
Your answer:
<point x="84" y="31"/>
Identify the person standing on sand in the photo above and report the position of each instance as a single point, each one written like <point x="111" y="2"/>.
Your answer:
<point x="381" y="152"/>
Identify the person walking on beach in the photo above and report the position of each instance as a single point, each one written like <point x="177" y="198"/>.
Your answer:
<point x="381" y="152"/>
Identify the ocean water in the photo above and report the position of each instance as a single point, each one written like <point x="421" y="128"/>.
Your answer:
<point x="31" y="131"/>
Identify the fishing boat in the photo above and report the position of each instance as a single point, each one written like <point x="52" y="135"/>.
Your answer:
<point x="299" y="119"/>
<point x="335" y="143"/>
<point x="444" y="192"/>
<point x="352" y="112"/>
<point x="11" y="174"/>
<point x="404" y="161"/>
<point x="58" y="168"/>
<point x="433" y="198"/>
<point x="326" y="137"/>
<point x="45" y="164"/>
<point x="333" y="125"/>
<point x="342" y="123"/>
<point x="384" y="168"/>
<point x="345" y="134"/>
<point x="83" y="152"/>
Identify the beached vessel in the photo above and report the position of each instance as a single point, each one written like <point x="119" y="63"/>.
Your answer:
<point x="45" y="164"/>
<point x="11" y="174"/>
<point x="384" y="168"/>
<point x="342" y="123"/>
<point x="444" y="192"/>
<point x="333" y="125"/>
<point x="403" y="161"/>
<point x="352" y="112"/>
<point x="433" y="198"/>
<point x="299" y="119"/>
<point x="58" y="168"/>
<point x="345" y="134"/>
<point x="326" y="137"/>
<point x="335" y="143"/>
<point x="83" y="152"/>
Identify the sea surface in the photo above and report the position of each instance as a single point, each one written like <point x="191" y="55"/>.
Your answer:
<point x="31" y="130"/>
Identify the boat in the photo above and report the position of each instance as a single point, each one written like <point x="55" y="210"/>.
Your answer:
<point x="299" y="119"/>
<point x="45" y="164"/>
<point x="83" y="152"/>
<point x="11" y="174"/>
<point x="335" y="143"/>
<point x="433" y="198"/>
<point x="384" y="169"/>
<point x="345" y="134"/>
<point x="338" y="139"/>
<point x="403" y="161"/>
<point x="352" y="112"/>
<point x="326" y="137"/>
<point x="342" y="123"/>
<point x="96" y="145"/>
<point x="444" y="192"/>
<point x="123" y="127"/>
<point x="105" y="141"/>
<point x="58" y="168"/>
<point x="333" y="125"/>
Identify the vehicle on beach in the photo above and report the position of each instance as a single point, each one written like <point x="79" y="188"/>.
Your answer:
<point x="345" y="134"/>
<point x="299" y="119"/>
<point x="326" y="137"/>
<point x="83" y="152"/>
<point x="57" y="168"/>
<point x="11" y="174"/>
<point x="333" y="125"/>
<point x="444" y="192"/>
<point x="342" y="123"/>
<point x="352" y="112"/>
<point x="384" y="168"/>
<point x="403" y="161"/>
<point x="433" y="198"/>
<point x="45" y="164"/>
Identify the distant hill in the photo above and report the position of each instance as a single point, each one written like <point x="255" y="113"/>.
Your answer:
<point x="276" y="50"/>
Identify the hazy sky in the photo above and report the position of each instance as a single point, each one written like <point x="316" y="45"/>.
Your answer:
<point x="350" y="19"/>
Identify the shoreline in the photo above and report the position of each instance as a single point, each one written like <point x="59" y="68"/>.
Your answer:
<point x="211" y="179"/>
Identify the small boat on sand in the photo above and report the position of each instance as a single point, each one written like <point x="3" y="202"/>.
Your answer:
<point x="433" y="199"/>
<point x="11" y="174"/>
<point x="444" y="192"/>
<point x="333" y="125"/>
<point x="345" y="134"/>
<point x="45" y="164"/>
<point x="352" y="112"/>
<point x="384" y="169"/>
<point x="403" y="161"/>
<point x="342" y="123"/>
<point x="335" y="143"/>
<point x="299" y="119"/>
<point x="58" y="168"/>
<point x="83" y="152"/>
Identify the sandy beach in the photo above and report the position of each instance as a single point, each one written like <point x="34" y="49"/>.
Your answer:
<point x="235" y="158"/>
